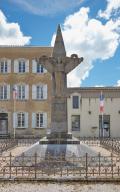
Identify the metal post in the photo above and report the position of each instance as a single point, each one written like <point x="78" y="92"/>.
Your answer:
<point x="10" y="164"/>
<point x="102" y="124"/>
<point x="86" y="161"/>
<point x="99" y="155"/>
<point x="14" y="108"/>
<point x="35" y="165"/>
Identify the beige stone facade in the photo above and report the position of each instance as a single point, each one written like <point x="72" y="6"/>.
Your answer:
<point x="89" y="113"/>
<point x="30" y="78"/>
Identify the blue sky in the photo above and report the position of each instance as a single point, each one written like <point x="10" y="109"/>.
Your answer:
<point x="91" y="28"/>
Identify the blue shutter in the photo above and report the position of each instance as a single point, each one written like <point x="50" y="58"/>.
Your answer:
<point x="26" y="120"/>
<point x="33" y="91"/>
<point x="34" y="66"/>
<point x="16" y="66"/>
<point x="14" y="120"/>
<point x="33" y="120"/>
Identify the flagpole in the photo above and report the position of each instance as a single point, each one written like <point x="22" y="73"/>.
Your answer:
<point x="102" y="113"/>
<point x="14" y="108"/>
<point x="102" y="124"/>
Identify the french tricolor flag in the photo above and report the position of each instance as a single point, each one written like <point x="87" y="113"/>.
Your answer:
<point x="101" y="103"/>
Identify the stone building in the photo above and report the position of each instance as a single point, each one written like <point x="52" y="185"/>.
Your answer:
<point x="84" y="116"/>
<point x="29" y="114"/>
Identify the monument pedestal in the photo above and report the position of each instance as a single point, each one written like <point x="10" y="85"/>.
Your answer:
<point x="59" y="138"/>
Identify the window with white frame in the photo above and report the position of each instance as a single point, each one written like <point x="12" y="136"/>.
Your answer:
<point x="39" y="92"/>
<point x="75" y="102"/>
<point x="39" y="120"/>
<point x="75" y="122"/>
<point x="21" y="66"/>
<point x="37" y="67"/>
<point x="20" y="120"/>
<point x="4" y="92"/>
<point x="40" y="68"/>
<point x="22" y="92"/>
<point x="5" y="66"/>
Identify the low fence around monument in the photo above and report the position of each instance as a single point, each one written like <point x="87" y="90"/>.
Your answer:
<point x="111" y="144"/>
<point x="49" y="168"/>
<point x="83" y="168"/>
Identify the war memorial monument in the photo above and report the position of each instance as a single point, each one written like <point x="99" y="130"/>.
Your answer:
<point x="59" y="141"/>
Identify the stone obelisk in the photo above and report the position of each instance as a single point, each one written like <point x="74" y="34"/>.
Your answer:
<point x="59" y="65"/>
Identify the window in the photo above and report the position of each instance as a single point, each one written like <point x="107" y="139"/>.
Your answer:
<point x="21" y="65"/>
<point x="39" y="120"/>
<point x="3" y="66"/>
<point x="39" y="68"/>
<point x="75" y="102"/>
<point x="21" y="120"/>
<point x="3" y="92"/>
<point x="39" y="92"/>
<point x="75" y="122"/>
<point x="104" y="125"/>
<point x="21" y="92"/>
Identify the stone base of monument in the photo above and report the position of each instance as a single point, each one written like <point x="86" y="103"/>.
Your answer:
<point x="59" y="138"/>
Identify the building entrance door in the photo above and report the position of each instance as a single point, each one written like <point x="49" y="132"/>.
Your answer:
<point x="104" y="126"/>
<point x="3" y="123"/>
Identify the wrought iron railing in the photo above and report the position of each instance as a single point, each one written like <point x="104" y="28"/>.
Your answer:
<point x="82" y="168"/>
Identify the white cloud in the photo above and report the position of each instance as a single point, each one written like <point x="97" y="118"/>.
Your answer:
<point x="113" y="8"/>
<point x="10" y="33"/>
<point x="118" y="83"/>
<point x="99" y="86"/>
<point x="47" y="7"/>
<point x="88" y="38"/>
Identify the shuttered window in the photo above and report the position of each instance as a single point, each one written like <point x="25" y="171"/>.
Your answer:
<point x="21" y="66"/>
<point x="39" y="120"/>
<point x="20" y="120"/>
<point x="37" y="67"/>
<point x="5" y="66"/>
<point x="22" y="92"/>
<point x="39" y="92"/>
<point x="4" y="92"/>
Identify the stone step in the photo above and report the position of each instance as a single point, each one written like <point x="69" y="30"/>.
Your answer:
<point x="62" y="135"/>
<point x="64" y="142"/>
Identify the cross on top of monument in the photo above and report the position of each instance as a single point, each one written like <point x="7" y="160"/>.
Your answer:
<point x="59" y="48"/>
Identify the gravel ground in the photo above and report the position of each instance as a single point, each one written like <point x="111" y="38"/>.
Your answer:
<point x="57" y="187"/>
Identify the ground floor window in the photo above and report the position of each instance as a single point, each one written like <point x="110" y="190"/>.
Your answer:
<point x="39" y="120"/>
<point x="104" y="125"/>
<point x="20" y="120"/>
<point x="75" y="122"/>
